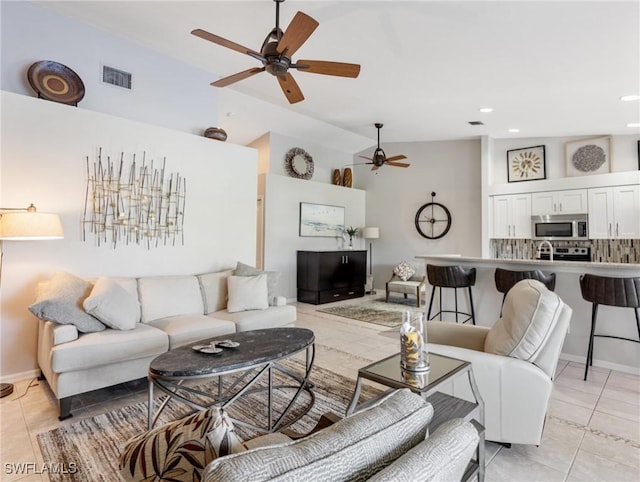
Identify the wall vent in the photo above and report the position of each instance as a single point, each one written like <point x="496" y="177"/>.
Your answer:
<point x="476" y="123"/>
<point x="116" y="77"/>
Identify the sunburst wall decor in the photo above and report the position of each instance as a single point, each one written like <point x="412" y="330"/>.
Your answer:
<point x="526" y="164"/>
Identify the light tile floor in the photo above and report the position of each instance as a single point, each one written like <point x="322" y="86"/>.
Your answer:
<point x="592" y="431"/>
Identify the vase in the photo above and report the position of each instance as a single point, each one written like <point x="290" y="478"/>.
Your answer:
<point x="414" y="352"/>
<point x="350" y="243"/>
<point x="347" y="177"/>
<point x="337" y="179"/>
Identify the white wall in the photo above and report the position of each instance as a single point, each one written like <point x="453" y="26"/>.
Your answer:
<point x="44" y="146"/>
<point x="283" y="196"/>
<point x="325" y="158"/>
<point x="394" y="195"/>
<point x="624" y="155"/>
<point x="165" y="92"/>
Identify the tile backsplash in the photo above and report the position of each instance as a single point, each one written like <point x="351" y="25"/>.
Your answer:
<point x="602" y="250"/>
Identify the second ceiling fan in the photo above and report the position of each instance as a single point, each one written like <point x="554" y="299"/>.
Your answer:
<point x="379" y="158"/>
<point x="276" y="55"/>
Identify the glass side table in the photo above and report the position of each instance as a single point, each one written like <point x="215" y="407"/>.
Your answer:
<point x="389" y="373"/>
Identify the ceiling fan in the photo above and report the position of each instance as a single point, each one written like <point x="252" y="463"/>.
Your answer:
<point x="379" y="158"/>
<point x="276" y="55"/>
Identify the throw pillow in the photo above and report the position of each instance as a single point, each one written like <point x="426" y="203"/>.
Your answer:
<point x="247" y="293"/>
<point x="214" y="290"/>
<point x="272" y="278"/>
<point x="60" y="300"/>
<point x="529" y="315"/>
<point x="113" y="305"/>
<point x="404" y="271"/>
<point x="179" y="451"/>
<point x="355" y="448"/>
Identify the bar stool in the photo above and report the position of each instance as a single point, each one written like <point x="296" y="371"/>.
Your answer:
<point x="451" y="277"/>
<point x="505" y="279"/>
<point x="602" y="290"/>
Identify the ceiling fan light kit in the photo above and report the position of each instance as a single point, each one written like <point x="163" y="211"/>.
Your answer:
<point x="276" y="55"/>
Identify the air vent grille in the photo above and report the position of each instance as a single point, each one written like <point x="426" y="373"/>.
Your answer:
<point x="116" y="77"/>
<point x="476" y="123"/>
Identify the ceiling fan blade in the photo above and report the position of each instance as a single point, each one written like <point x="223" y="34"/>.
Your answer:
<point x="396" y="158"/>
<point x="290" y="88"/>
<point x="297" y="33"/>
<point x="365" y="157"/>
<point x="203" y="34"/>
<point x="236" y="77"/>
<point x="339" y="69"/>
<point x="398" y="164"/>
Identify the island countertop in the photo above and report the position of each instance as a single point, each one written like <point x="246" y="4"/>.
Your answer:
<point x="565" y="266"/>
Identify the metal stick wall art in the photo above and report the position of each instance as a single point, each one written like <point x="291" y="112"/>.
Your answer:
<point x="140" y="205"/>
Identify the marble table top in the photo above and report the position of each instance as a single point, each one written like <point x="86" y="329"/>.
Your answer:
<point x="257" y="347"/>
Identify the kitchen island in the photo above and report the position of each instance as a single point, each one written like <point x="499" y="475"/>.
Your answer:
<point x="608" y="353"/>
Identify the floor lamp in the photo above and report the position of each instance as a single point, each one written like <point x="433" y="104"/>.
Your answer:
<point x="371" y="233"/>
<point x="26" y="224"/>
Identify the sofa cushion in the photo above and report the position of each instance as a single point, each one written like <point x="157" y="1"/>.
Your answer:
<point x="113" y="305"/>
<point x="247" y="293"/>
<point x="404" y="271"/>
<point x="179" y="451"/>
<point x="354" y="448"/>
<point x="185" y="329"/>
<point x="273" y="317"/>
<point x="107" y="347"/>
<point x="272" y="278"/>
<point x="214" y="290"/>
<point x="60" y="299"/>
<point x="529" y="315"/>
<point x="443" y="456"/>
<point x="163" y="296"/>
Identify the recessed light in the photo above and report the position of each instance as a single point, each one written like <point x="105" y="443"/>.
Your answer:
<point x="633" y="124"/>
<point x="514" y="130"/>
<point x="486" y="109"/>
<point x="629" y="98"/>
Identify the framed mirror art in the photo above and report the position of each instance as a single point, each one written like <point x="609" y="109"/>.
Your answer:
<point x="298" y="163"/>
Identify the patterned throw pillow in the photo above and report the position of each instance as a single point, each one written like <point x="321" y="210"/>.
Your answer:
<point x="404" y="271"/>
<point x="179" y="451"/>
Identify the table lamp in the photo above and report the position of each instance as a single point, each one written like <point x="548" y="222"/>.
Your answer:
<point x="371" y="233"/>
<point x="26" y="224"/>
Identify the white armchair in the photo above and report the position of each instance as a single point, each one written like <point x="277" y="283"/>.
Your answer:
<point x="415" y="285"/>
<point x="513" y="362"/>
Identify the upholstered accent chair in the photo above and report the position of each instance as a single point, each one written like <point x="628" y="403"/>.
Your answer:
<point x="513" y="361"/>
<point x="414" y="285"/>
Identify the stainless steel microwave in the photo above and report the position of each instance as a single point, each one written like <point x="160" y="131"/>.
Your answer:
<point x="560" y="226"/>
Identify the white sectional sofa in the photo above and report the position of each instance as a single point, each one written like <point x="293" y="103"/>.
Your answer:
<point x="172" y="311"/>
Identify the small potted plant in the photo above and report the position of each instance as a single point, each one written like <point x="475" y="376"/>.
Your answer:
<point x="352" y="232"/>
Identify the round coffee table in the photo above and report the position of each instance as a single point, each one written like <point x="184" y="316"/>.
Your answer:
<point x="256" y="355"/>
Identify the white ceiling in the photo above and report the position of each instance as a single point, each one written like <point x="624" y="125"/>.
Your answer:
<point x="546" y="68"/>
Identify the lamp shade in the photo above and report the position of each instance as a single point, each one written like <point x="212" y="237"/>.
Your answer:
<point x="371" y="233"/>
<point x="29" y="226"/>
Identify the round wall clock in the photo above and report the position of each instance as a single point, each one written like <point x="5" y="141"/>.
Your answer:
<point x="433" y="220"/>
<point x="298" y="163"/>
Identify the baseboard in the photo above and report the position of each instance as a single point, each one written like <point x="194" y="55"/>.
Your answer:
<point x="18" y="377"/>
<point x="601" y="364"/>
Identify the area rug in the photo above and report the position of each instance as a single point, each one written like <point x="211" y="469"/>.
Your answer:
<point x="376" y="311"/>
<point x="93" y="445"/>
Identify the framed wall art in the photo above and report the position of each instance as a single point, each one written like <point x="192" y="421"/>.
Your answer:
<point x="526" y="164"/>
<point x="588" y="156"/>
<point x="321" y="220"/>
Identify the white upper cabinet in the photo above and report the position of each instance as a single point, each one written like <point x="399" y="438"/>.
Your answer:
<point x="511" y="216"/>
<point x="559" y="202"/>
<point x="614" y="212"/>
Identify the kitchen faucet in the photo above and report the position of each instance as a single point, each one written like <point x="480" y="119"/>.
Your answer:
<point x="545" y="242"/>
